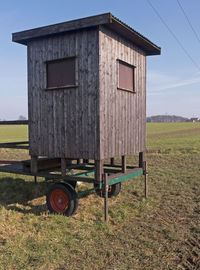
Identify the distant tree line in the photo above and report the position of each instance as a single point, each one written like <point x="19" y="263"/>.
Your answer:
<point x="171" y="118"/>
<point x="22" y="120"/>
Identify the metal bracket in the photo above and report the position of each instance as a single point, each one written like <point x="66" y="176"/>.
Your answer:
<point x="145" y="172"/>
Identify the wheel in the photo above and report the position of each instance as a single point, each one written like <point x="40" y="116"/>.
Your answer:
<point x="62" y="199"/>
<point x="113" y="190"/>
<point x="72" y="183"/>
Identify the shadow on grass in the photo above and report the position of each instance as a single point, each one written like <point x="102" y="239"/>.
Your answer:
<point x="27" y="197"/>
<point x="18" y="194"/>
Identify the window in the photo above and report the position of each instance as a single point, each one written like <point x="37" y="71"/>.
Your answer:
<point x="126" y="76"/>
<point x="61" y="73"/>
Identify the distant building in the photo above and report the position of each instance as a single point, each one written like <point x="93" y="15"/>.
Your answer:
<point x="195" y="119"/>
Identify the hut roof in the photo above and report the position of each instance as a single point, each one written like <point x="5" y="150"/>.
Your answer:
<point x="106" y="19"/>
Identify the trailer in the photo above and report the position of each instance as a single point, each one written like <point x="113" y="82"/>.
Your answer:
<point x="62" y="197"/>
<point x="86" y="106"/>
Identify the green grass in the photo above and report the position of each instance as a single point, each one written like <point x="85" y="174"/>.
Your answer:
<point x="157" y="128"/>
<point x="174" y="137"/>
<point x="162" y="232"/>
<point x="185" y="143"/>
<point x="13" y="133"/>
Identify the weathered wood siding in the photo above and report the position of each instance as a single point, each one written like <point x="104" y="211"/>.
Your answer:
<point x="94" y="120"/>
<point x="64" y="123"/>
<point x="122" y="114"/>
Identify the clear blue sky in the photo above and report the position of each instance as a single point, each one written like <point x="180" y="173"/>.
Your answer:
<point x="173" y="81"/>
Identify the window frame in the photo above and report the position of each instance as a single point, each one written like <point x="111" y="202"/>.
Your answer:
<point x="75" y="85"/>
<point x="119" y="61"/>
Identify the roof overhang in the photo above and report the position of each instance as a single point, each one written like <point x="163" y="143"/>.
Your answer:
<point x="106" y="19"/>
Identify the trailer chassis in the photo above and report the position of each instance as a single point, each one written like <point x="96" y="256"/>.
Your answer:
<point x="64" y="192"/>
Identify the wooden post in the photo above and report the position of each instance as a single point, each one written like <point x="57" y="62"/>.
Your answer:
<point x="78" y="161"/>
<point x="68" y="161"/>
<point x="98" y="170"/>
<point x="63" y="166"/>
<point x="145" y="179"/>
<point x="124" y="164"/>
<point x="141" y="159"/>
<point x="34" y="165"/>
<point x="105" y="182"/>
<point x="35" y="179"/>
<point x="112" y="161"/>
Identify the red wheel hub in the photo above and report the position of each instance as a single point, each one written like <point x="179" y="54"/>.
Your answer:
<point x="59" y="201"/>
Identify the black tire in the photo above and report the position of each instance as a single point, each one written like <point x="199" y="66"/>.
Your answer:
<point x="72" y="183"/>
<point x="62" y="199"/>
<point x="113" y="190"/>
<point x="75" y="196"/>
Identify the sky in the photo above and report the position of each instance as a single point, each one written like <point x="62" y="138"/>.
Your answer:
<point x="173" y="79"/>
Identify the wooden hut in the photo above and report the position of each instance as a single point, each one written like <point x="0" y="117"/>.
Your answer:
<point x="86" y="89"/>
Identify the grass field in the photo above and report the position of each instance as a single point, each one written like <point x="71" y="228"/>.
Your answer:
<point x="13" y="133"/>
<point x="174" y="137"/>
<point x="162" y="232"/>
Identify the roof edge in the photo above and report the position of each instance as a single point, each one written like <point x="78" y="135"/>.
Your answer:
<point x="23" y="37"/>
<point x="151" y="48"/>
<point x="106" y="19"/>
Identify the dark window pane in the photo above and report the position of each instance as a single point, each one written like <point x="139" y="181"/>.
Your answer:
<point x="126" y="76"/>
<point x="61" y="72"/>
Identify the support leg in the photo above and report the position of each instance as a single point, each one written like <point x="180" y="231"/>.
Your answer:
<point x="68" y="161"/>
<point x="78" y="161"/>
<point x="112" y="161"/>
<point x="124" y="164"/>
<point x="141" y="159"/>
<point x="98" y="170"/>
<point x="145" y="179"/>
<point x="34" y="165"/>
<point x="35" y="179"/>
<point x="63" y="166"/>
<point x="105" y="197"/>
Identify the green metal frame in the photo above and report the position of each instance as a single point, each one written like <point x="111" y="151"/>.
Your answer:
<point x="114" y="175"/>
<point x="91" y="172"/>
<point x="124" y="177"/>
<point x="110" y="182"/>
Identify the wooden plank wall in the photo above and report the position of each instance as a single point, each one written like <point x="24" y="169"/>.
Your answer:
<point x="64" y="123"/>
<point x="122" y="114"/>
